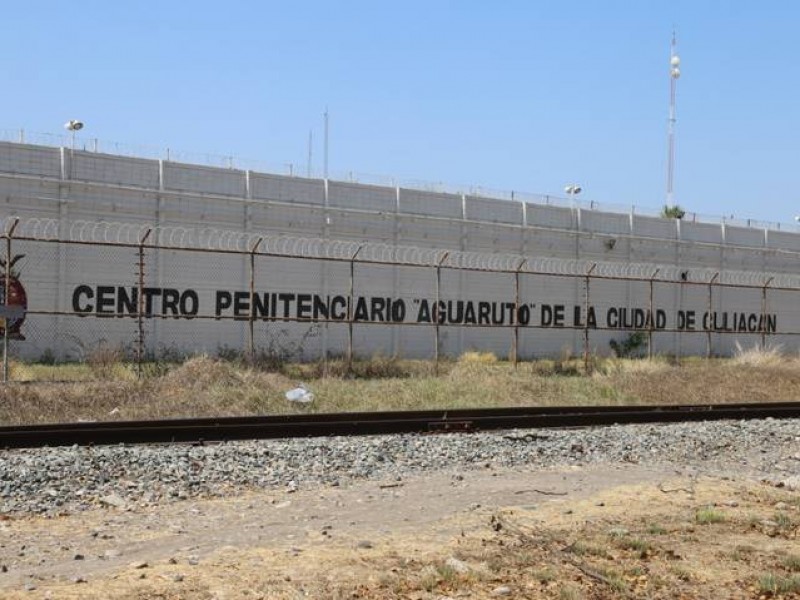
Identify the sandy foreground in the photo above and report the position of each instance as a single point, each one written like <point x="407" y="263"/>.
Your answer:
<point x="580" y="532"/>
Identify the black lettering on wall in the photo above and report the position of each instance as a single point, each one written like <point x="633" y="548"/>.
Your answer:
<point x="105" y="300"/>
<point x="190" y="304"/>
<point x="126" y="303"/>
<point x="169" y="302"/>
<point x="222" y="303"/>
<point x="82" y="290"/>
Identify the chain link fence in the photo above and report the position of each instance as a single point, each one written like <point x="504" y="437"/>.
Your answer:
<point x="98" y="292"/>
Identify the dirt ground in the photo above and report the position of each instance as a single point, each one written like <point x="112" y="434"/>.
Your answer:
<point x="599" y="532"/>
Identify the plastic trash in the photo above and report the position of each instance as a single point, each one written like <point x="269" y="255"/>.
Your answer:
<point x="300" y="395"/>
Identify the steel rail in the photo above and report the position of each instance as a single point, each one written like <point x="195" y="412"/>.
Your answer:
<point x="375" y="423"/>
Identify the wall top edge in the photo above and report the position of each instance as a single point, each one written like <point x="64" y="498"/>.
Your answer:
<point x="521" y="198"/>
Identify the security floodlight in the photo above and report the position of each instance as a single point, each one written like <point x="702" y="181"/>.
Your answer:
<point x="572" y="190"/>
<point x="797" y="218"/>
<point x="674" y="64"/>
<point x="72" y="126"/>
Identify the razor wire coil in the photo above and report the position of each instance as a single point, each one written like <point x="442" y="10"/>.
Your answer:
<point x="212" y="239"/>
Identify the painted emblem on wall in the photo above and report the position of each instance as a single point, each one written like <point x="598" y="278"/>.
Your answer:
<point x="12" y="311"/>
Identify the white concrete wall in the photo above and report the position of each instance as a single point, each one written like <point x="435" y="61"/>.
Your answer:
<point x="70" y="186"/>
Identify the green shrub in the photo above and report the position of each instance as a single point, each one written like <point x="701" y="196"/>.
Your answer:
<point x="630" y="346"/>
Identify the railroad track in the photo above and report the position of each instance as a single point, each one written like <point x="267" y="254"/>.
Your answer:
<point x="373" y="423"/>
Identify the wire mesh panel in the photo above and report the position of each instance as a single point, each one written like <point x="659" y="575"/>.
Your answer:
<point x="783" y="240"/>
<point x="603" y="222"/>
<point x="107" y="168"/>
<point x="429" y="203"/>
<point x="74" y="311"/>
<point x="149" y="292"/>
<point x="490" y="210"/>
<point x="430" y="233"/>
<point x="616" y="312"/>
<point x="226" y="182"/>
<point x="782" y="314"/>
<point x="692" y="301"/>
<point x="370" y="227"/>
<point x="30" y="160"/>
<point x="375" y="302"/>
<point x="744" y="236"/>
<point x="551" y="216"/>
<point x="34" y="269"/>
<point x="655" y="251"/>
<point x="653" y="227"/>
<point x="740" y="259"/>
<point x="701" y="232"/>
<point x="193" y="301"/>
<point x="279" y="219"/>
<point x="417" y="287"/>
<point x="738" y="319"/>
<point x="485" y="308"/>
<point x="549" y="301"/>
<point x="362" y="197"/>
<point x="287" y="189"/>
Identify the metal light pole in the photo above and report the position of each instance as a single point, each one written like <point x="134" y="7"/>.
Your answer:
<point x="72" y="126"/>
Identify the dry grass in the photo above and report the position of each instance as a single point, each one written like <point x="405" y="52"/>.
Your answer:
<point x="484" y="358"/>
<point x="545" y="553"/>
<point x="757" y="357"/>
<point x="204" y="386"/>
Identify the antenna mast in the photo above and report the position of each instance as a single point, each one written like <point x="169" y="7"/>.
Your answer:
<point x="674" y="74"/>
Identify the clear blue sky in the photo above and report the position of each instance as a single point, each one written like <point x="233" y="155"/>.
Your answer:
<point x="510" y="95"/>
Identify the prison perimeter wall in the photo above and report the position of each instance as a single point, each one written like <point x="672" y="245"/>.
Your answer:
<point x="206" y="279"/>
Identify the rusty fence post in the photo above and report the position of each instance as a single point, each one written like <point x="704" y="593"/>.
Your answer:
<point x="652" y="317"/>
<point x="710" y="317"/>
<point x="586" y="318"/>
<point x="251" y="342"/>
<point x="140" y="304"/>
<point x="437" y="318"/>
<point x="515" y="338"/>
<point x="6" y="319"/>
<point x="764" y="319"/>
<point x="350" y="312"/>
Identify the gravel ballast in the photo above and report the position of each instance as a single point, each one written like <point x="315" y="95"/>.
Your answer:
<point x="70" y="479"/>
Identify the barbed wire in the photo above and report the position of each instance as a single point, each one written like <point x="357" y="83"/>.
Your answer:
<point x="211" y="239"/>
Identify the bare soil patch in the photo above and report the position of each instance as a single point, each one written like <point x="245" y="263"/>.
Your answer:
<point x="608" y="532"/>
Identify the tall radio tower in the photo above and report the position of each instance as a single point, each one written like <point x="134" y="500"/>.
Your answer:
<point x="674" y="74"/>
